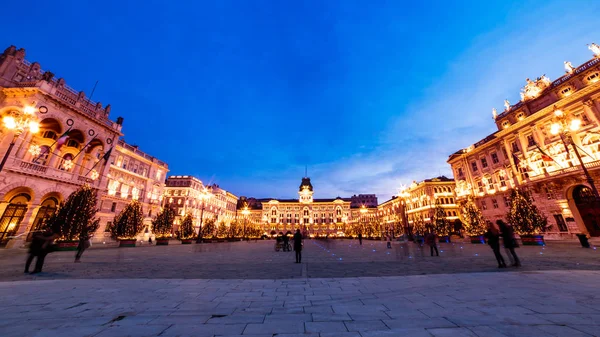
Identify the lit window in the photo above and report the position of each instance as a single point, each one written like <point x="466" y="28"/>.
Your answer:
<point x="484" y="163"/>
<point x="494" y="156"/>
<point x="474" y="166"/>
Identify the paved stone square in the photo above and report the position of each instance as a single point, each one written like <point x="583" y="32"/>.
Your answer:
<point x="340" y="289"/>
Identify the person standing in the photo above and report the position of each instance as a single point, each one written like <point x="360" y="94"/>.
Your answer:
<point x="40" y="246"/>
<point x="84" y="243"/>
<point x="298" y="246"/>
<point x="430" y="239"/>
<point x="493" y="239"/>
<point x="360" y="238"/>
<point x="510" y="243"/>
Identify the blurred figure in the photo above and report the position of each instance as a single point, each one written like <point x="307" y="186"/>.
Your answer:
<point x="84" y="243"/>
<point x="493" y="239"/>
<point x="286" y="241"/>
<point x="40" y="247"/>
<point x="360" y="238"/>
<point x="510" y="243"/>
<point x="430" y="239"/>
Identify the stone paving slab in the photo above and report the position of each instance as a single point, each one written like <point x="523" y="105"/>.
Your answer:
<point x="476" y="304"/>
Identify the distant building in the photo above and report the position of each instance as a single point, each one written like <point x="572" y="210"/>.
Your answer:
<point x="133" y="175"/>
<point x="187" y="194"/>
<point x="312" y="216"/>
<point x="367" y="200"/>
<point x="421" y="200"/>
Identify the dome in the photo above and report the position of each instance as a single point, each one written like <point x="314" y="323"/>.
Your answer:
<point x="306" y="184"/>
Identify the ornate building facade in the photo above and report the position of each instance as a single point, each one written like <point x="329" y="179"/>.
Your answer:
<point x="187" y="194"/>
<point x="315" y="217"/>
<point x="71" y="147"/>
<point x="421" y="200"/>
<point x="538" y="147"/>
<point x="133" y="175"/>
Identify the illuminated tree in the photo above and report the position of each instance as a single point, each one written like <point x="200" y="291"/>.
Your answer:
<point x="222" y="230"/>
<point x="208" y="228"/>
<point x="235" y="230"/>
<point x="441" y="225"/>
<point x="129" y="222"/>
<point x="418" y="226"/>
<point x="524" y="215"/>
<point x="76" y="216"/>
<point x="472" y="218"/>
<point x="186" y="229"/>
<point x="162" y="224"/>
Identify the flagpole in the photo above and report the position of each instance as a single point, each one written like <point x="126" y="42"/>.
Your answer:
<point x="83" y="148"/>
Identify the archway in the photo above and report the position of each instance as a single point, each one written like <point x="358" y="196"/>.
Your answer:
<point x="12" y="216"/>
<point x="588" y="207"/>
<point x="47" y="208"/>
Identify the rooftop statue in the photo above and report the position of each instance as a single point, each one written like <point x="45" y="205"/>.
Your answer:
<point x="534" y="89"/>
<point x="569" y="67"/>
<point x="506" y="105"/>
<point x="494" y="113"/>
<point x="595" y="49"/>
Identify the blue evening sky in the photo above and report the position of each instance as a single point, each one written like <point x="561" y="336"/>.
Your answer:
<point x="369" y="94"/>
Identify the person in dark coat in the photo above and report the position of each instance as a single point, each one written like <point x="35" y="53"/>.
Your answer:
<point x="430" y="239"/>
<point x="360" y="238"/>
<point x="510" y="243"/>
<point x="40" y="247"/>
<point x="298" y="246"/>
<point x="493" y="239"/>
<point x="286" y="241"/>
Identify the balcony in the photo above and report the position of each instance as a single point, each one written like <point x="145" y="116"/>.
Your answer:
<point x="533" y="176"/>
<point x="45" y="172"/>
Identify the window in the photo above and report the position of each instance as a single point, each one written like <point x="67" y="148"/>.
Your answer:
<point x="504" y="153"/>
<point x="495" y="203"/>
<point x="530" y="140"/>
<point x="72" y="143"/>
<point x="483" y="205"/>
<point x="474" y="166"/>
<point x="460" y="172"/>
<point x="49" y="134"/>
<point x="451" y="200"/>
<point x="515" y="146"/>
<point x="490" y="183"/>
<point x="484" y="163"/>
<point x="108" y="225"/>
<point x="494" y="156"/>
<point x="507" y="201"/>
<point x="560" y="222"/>
<point x="113" y="207"/>
<point x="480" y="186"/>
<point x="149" y="212"/>
<point x="549" y="193"/>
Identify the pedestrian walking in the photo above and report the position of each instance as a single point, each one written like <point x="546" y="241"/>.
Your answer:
<point x="493" y="239"/>
<point x="298" y="246"/>
<point x="39" y="248"/>
<point x="150" y="239"/>
<point x="360" y="238"/>
<point x="286" y="241"/>
<point x="84" y="243"/>
<point x="510" y="242"/>
<point x="430" y="239"/>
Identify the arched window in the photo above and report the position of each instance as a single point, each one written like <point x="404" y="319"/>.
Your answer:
<point x="12" y="217"/>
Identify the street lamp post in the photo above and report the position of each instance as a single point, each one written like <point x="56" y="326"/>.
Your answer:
<point x="204" y="195"/>
<point x="245" y="212"/>
<point x="363" y="211"/>
<point x="404" y="195"/>
<point x="563" y="125"/>
<point x="19" y="121"/>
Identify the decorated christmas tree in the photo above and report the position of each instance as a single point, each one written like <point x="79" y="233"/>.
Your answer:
<point x="418" y="226"/>
<point x="186" y="229"/>
<point x="472" y="218"/>
<point x="235" y="229"/>
<point x="76" y="216"/>
<point x="162" y="224"/>
<point x="222" y="230"/>
<point x="208" y="228"/>
<point x="441" y="225"/>
<point x="524" y="215"/>
<point x="129" y="223"/>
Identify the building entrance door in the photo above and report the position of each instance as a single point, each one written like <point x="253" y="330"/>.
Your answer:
<point x="589" y="208"/>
